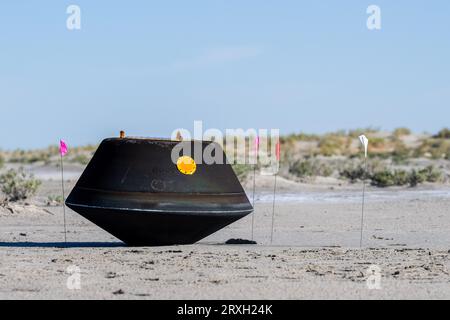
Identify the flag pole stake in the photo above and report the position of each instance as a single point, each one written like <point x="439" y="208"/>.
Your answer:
<point x="63" y="199"/>
<point x="278" y="157"/>
<point x="365" y="143"/>
<point x="363" y="203"/>
<point x="273" y="207"/>
<point x="256" y="144"/>
<point x="253" y="200"/>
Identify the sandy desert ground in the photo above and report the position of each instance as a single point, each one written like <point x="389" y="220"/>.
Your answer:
<point x="315" y="252"/>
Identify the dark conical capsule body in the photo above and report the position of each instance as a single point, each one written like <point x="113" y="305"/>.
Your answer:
<point x="133" y="189"/>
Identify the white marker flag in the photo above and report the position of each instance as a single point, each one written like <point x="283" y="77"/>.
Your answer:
<point x="365" y="143"/>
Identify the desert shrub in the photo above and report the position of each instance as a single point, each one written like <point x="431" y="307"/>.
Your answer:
<point x="17" y="156"/>
<point x="416" y="178"/>
<point x="388" y="178"/>
<point x="355" y="170"/>
<point x="54" y="200"/>
<point x="431" y="174"/>
<point x="385" y="178"/>
<point x="81" y="159"/>
<point x="330" y="145"/>
<point x="18" y="185"/>
<point x="366" y="131"/>
<point x="354" y="173"/>
<point x="401" y="177"/>
<point x="32" y="156"/>
<point x="241" y="171"/>
<point x="300" y="137"/>
<point x="443" y="134"/>
<point x="89" y="148"/>
<point x="2" y="161"/>
<point x="400" y="132"/>
<point x="400" y="153"/>
<point x="310" y="168"/>
<point x="434" y="176"/>
<point x="338" y="133"/>
<point x="436" y="148"/>
<point x="378" y="142"/>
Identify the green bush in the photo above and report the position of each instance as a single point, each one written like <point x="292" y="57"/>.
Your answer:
<point x="388" y="178"/>
<point x="31" y="156"/>
<point x="310" y="168"/>
<point x="401" y="153"/>
<point x="81" y="159"/>
<point x="241" y="171"/>
<point x="2" y="161"/>
<point x="378" y="142"/>
<point x="416" y="178"/>
<point x="429" y="174"/>
<point x="300" y="137"/>
<point x="400" y="132"/>
<point x="54" y="200"/>
<point x="366" y="131"/>
<point x="382" y="179"/>
<point x="401" y="177"/>
<point x="443" y="134"/>
<point x="18" y="185"/>
<point x="331" y="145"/>
<point x="437" y="147"/>
<point x="354" y="173"/>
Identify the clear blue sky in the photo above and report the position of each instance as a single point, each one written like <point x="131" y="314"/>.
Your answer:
<point x="149" y="67"/>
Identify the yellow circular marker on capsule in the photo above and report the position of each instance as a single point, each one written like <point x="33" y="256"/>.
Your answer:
<point x="186" y="165"/>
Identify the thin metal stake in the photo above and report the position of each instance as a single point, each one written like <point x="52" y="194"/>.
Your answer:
<point x="63" y="199"/>
<point x="273" y="206"/>
<point x="363" y="202"/>
<point x="253" y="201"/>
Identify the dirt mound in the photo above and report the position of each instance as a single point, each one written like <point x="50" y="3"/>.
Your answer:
<point x="240" y="241"/>
<point x="8" y="209"/>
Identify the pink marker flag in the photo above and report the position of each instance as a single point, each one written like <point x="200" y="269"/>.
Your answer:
<point x="278" y="151"/>
<point x="254" y="180"/>
<point x="63" y="148"/>
<point x="63" y="151"/>
<point x="256" y="144"/>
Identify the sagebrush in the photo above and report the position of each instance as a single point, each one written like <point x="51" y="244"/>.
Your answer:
<point x="18" y="185"/>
